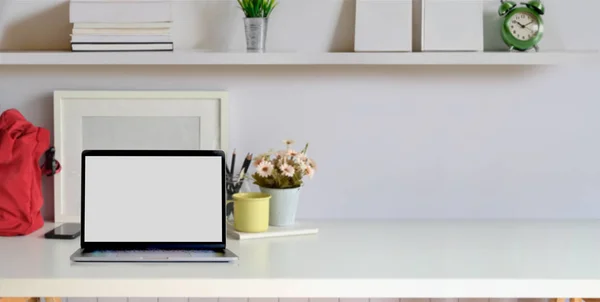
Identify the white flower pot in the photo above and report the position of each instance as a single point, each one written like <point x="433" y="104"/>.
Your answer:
<point x="283" y="207"/>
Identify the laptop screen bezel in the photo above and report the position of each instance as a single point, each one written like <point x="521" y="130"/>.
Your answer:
<point x="153" y="245"/>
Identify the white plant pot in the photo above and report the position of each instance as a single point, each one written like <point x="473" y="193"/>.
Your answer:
<point x="283" y="207"/>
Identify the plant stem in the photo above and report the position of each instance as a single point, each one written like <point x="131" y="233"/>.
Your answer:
<point x="305" y="149"/>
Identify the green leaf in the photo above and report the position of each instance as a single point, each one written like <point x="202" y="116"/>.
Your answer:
<point x="242" y="6"/>
<point x="257" y="8"/>
<point x="251" y="11"/>
<point x="270" y="6"/>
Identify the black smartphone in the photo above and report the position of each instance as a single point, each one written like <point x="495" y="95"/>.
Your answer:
<point x="65" y="231"/>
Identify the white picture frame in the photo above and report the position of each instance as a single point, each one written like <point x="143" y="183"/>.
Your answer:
<point x="197" y="120"/>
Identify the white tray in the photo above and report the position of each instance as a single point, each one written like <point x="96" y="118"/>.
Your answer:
<point x="298" y="229"/>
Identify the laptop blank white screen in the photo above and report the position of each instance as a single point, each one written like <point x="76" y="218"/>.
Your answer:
<point x="153" y="199"/>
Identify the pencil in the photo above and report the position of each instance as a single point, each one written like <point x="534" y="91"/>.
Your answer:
<point x="233" y="161"/>
<point x="245" y="166"/>
<point x="247" y="162"/>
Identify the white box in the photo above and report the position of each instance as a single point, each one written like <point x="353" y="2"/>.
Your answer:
<point x="383" y="25"/>
<point x="452" y="25"/>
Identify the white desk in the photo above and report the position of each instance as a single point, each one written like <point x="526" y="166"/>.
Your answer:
<point x="346" y="259"/>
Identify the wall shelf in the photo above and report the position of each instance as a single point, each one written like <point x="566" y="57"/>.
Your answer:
<point x="281" y="58"/>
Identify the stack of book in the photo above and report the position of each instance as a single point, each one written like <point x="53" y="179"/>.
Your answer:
<point x="123" y="25"/>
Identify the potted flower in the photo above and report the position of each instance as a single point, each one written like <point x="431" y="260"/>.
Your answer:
<point x="256" y="21"/>
<point x="281" y="174"/>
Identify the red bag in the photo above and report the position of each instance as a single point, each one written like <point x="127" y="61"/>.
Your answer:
<point x="21" y="146"/>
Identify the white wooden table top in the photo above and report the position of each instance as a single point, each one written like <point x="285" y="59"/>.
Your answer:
<point x="346" y="259"/>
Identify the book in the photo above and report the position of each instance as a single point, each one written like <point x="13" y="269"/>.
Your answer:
<point x="119" y="11"/>
<point x="298" y="229"/>
<point x="121" y="31"/>
<point x="163" y="25"/>
<point x="121" y="39"/>
<point x="115" y="47"/>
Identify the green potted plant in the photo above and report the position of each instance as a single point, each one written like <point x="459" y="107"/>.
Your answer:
<point x="281" y="174"/>
<point x="256" y="22"/>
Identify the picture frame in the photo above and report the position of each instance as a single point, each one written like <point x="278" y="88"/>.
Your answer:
<point x="150" y="120"/>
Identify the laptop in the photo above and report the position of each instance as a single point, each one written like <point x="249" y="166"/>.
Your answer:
<point x="153" y="206"/>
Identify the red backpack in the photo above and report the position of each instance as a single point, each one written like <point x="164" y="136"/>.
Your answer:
<point x="21" y="147"/>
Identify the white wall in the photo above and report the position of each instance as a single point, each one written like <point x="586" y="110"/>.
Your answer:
<point x="395" y="142"/>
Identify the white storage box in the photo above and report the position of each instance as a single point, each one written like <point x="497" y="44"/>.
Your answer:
<point x="383" y="25"/>
<point x="452" y="25"/>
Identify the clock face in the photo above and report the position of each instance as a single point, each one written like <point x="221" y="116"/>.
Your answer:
<point x="524" y="26"/>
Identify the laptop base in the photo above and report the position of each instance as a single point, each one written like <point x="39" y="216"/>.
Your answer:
<point x="154" y="256"/>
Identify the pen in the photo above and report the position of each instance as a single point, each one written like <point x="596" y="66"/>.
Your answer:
<point x="233" y="162"/>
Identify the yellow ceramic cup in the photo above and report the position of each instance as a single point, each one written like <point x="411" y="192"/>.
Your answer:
<point x="251" y="212"/>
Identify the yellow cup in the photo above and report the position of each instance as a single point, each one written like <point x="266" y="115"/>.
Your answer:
<point x="251" y="212"/>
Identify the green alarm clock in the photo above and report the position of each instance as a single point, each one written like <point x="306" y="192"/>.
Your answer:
<point x="523" y="26"/>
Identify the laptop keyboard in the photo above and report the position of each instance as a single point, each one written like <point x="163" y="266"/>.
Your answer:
<point x="153" y="254"/>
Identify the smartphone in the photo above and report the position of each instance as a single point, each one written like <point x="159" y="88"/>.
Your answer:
<point x="65" y="231"/>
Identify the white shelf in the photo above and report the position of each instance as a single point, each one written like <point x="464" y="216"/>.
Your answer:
<point x="362" y="259"/>
<point x="241" y="58"/>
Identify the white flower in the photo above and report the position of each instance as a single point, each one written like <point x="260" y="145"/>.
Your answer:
<point x="264" y="169"/>
<point x="301" y="157"/>
<point x="288" y="142"/>
<point x="312" y="164"/>
<point x="302" y="165"/>
<point x="258" y="161"/>
<point x="310" y="172"/>
<point x="287" y="170"/>
<point x="291" y="152"/>
<point x="282" y="153"/>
